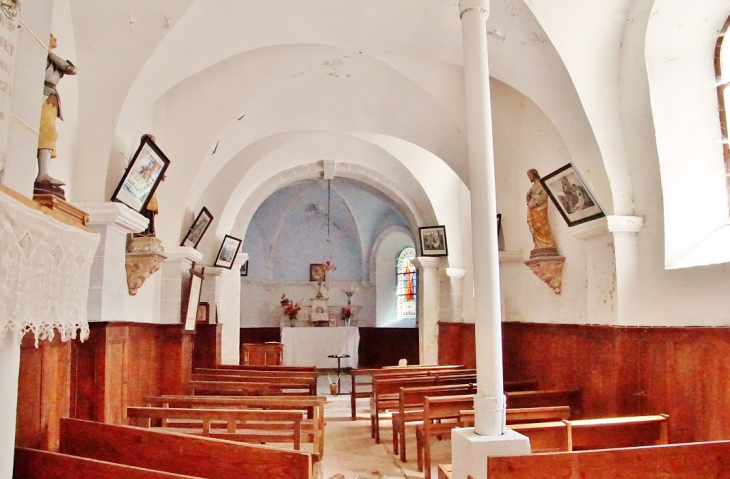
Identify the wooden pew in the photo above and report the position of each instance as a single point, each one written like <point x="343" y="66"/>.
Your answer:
<point x="522" y="415"/>
<point x="616" y="432"/>
<point x="410" y="408"/>
<point x="34" y="464"/>
<point x="558" y="397"/>
<point x="270" y="367"/>
<point x="312" y="406"/>
<point x="280" y="382"/>
<point x="255" y="372"/>
<point x="364" y="386"/>
<point x="243" y="425"/>
<point x="438" y="411"/>
<point x="220" y="388"/>
<point x="695" y="460"/>
<point x="180" y="453"/>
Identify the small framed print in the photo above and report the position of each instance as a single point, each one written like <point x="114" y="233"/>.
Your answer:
<point x="244" y="269"/>
<point x="228" y="251"/>
<point x="142" y="176"/>
<point x="317" y="272"/>
<point x="571" y="195"/>
<point x="433" y="241"/>
<point x="196" y="286"/>
<point x="198" y="228"/>
<point x="203" y="315"/>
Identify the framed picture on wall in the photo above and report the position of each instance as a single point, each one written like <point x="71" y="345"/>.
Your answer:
<point x="571" y="195"/>
<point x="198" y="228"/>
<point x="196" y="286"/>
<point x="433" y="241"/>
<point x="228" y="251"/>
<point x="203" y="315"/>
<point x="317" y="272"/>
<point x="244" y="269"/>
<point x="142" y="177"/>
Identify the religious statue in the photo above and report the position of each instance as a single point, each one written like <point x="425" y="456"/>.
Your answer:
<point x="56" y="68"/>
<point x="544" y="262"/>
<point x="537" y="213"/>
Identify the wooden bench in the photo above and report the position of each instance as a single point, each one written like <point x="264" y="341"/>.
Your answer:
<point x="179" y="453"/>
<point x="695" y="460"/>
<point x="254" y="372"/>
<point x="356" y="373"/>
<point x="242" y="425"/>
<point x="280" y="382"/>
<point x="34" y="464"/>
<point x="556" y="397"/>
<point x="386" y="391"/>
<point x="410" y="409"/>
<point x="269" y="367"/>
<point x="441" y="414"/>
<point x="522" y="415"/>
<point x="311" y="406"/>
<point x="237" y="388"/>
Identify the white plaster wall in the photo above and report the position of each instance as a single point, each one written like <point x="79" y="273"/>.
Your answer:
<point x="9" y="367"/>
<point x="260" y="301"/>
<point x="144" y="307"/>
<point x="385" y="276"/>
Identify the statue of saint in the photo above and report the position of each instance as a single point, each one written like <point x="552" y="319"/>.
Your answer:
<point x="537" y="213"/>
<point x="56" y="68"/>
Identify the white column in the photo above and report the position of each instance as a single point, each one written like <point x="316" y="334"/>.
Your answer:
<point x="455" y="299"/>
<point x="9" y="368"/>
<point x="222" y="290"/>
<point x="176" y="279"/>
<point x="429" y="286"/>
<point x="489" y="403"/>
<point x="612" y="263"/>
<point x="108" y="285"/>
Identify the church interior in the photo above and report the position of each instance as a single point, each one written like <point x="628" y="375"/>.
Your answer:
<point x="266" y="205"/>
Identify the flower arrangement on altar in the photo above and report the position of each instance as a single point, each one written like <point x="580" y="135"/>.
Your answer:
<point x="289" y="307"/>
<point x="346" y="313"/>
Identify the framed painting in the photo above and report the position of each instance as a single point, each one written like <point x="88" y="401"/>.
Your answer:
<point x="244" y="269"/>
<point x="198" y="228"/>
<point x="142" y="176"/>
<point x="203" y="315"/>
<point x="571" y="195"/>
<point x="317" y="272"/>
<point x="196" y="286"/>
<point x="433" y="241"/>
<point x="227" y="252"/>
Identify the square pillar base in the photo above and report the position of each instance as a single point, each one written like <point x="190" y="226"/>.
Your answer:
<point x="469" y="451"/>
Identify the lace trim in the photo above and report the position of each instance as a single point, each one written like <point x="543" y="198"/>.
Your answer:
<point x="45" y="270"/>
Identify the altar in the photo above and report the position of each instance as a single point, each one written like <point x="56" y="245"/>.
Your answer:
<point x="311" y="346"/>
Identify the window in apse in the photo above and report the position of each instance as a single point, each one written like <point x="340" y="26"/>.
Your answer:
<point x="407" y="284"/>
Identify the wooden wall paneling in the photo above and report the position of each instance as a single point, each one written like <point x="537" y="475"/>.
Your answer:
<point x="142" y="364"/>
<point x="176" y="358"/>
<point x="43" y="392"/>
<point x="456" y="344"/>
<point x="115" y="374"/>
<point x="207" y="347"/>
<point x="386" y="346"/>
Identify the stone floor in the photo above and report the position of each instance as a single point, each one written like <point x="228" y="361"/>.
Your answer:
<point x="350" y="453"/>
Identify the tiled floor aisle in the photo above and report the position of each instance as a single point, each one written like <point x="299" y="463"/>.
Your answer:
<point x="350" y="451"/>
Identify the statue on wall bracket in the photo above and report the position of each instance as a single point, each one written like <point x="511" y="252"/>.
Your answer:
<point x="56" y="68"/>
<point x="544" y="262"/>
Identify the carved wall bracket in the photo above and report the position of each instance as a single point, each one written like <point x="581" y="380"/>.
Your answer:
<point x="547" y="265"/>
<point x="144" y="258"/>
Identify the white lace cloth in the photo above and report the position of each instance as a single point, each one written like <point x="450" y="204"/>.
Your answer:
<point x="44" y="273"/>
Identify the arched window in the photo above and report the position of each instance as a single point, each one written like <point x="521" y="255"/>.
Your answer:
<point x="722" y="70"/>
<point x="407" y="284"/>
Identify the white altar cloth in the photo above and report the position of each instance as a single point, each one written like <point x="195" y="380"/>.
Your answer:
<point x="311" y="346"/>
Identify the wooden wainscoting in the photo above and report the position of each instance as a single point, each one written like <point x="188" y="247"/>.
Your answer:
<point x="43" y="392"/>
<point x="683" y="372"/>
<point x="207" y="349"/>
<point x="456" y="344"/>
<point x="96" y="380"/>
<point x="386" y="346"/>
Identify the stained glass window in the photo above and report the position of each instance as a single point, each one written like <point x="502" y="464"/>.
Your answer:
<point x="407" y="284"/>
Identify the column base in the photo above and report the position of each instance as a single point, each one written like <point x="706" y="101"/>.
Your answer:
<point x="469" y="451"/>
